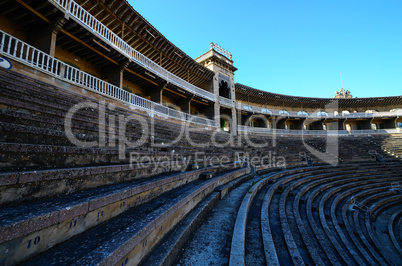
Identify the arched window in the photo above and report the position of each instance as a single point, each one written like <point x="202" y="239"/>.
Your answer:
<point x="224" y="89"/>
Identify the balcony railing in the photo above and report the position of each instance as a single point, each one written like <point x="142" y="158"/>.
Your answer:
<point x="226" y="102"/>
<point x="262" y="130"/>
<point x="84" y="18"/>
<point x="315" y="115"/>
<point x="28" y="55"/>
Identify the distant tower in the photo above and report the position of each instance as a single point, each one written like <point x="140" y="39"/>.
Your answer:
<point x="342" y="93"/>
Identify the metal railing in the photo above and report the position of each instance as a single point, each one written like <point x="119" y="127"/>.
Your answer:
<point x="28" y="55"/>
<point x="395" y="186"/>
<point x="315" y="115"/>
<point x="226" y="102"/>
<point x="263" y="130"/>
<point x="357" y="204"/>
<point x="83" y="17"/>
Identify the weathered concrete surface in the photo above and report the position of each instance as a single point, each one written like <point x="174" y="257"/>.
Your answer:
<point x="171" y="245"/>
<point x="210" y="244"/>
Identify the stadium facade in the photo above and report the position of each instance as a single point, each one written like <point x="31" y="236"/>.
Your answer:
<point x="88" y="43"/>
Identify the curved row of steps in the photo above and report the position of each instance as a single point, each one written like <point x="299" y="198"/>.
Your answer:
<point x="109" y="224"/>
<point x="214" y="222"/>
<point x="328" y="217"/>
<point x="347" y="214"/>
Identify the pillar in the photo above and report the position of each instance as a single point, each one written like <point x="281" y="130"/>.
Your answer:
<point x="45" y="38"/>
<point x="115" y="75"/>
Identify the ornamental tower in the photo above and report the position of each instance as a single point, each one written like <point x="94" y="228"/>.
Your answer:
<point x="220" y="62"/>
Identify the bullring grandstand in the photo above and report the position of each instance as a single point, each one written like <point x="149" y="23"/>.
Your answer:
<point x="119" y="148"/>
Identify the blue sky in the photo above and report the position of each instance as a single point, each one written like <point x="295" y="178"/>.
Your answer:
<point x="293" y="47"/>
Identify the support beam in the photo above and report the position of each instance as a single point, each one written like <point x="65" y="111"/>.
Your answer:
<point x="56" y="27"/>
<point x="142" y="77"/>
<point x="212" y="112"/>
<point x="88" y="46"/>
<point x="90" y="9"/>
<point x="118" y="7"/>
<point x="156" y="93"/>
<point x="45" y="37"/>
<point x="185" y="104"/>
<point x="115" y="75"/>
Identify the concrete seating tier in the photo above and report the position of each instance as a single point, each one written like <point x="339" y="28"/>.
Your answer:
<point x="170" y="247"/>
<point x="393" y="230"/>
<point x="52" y="190"/>
<point x="325" y="215"/>
<point x="381" y="206"/>
<point x="356" y="148"/>
<point x="154" y="204"/>
<point x="32" y="122"/>
<point x="34" y="135"/>
<point x="391" y="147"/>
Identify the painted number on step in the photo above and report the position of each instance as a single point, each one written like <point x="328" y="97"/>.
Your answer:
<point x="35" y="241"/>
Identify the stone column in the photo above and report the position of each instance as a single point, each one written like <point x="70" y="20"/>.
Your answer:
<point x="233" y="125"/>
